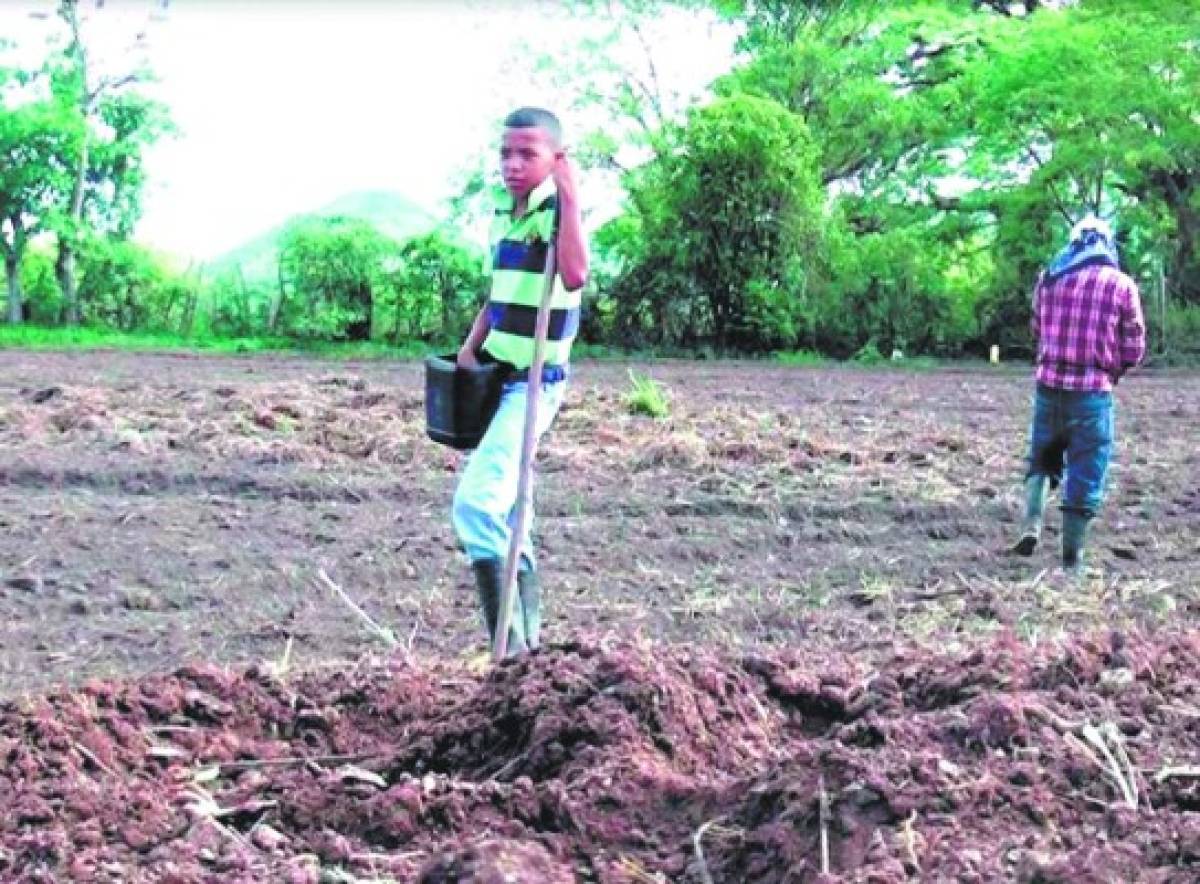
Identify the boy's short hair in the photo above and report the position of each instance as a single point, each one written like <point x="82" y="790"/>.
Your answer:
<point x="535" y="118"/>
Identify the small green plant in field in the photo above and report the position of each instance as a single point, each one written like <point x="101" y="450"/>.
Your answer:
<point x="868" y="354"/>
<point x="647" y="397"/>
<point x="875" y="588"/>
<point x="814" y="594"/>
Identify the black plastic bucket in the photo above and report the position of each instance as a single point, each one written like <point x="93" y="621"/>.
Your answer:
<point x="460" y="402"/>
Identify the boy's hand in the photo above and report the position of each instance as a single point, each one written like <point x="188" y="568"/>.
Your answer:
<point x="564" y="176"/>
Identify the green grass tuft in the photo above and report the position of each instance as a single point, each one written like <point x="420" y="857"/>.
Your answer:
<point x="647" y="397"/>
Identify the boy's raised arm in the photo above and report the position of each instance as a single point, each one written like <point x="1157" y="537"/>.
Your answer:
<point x="571" y="245"/>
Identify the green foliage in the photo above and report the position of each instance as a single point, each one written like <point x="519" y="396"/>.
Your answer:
<point x="1179" y="336"/>
<point x="959" y="144"/>
<point x="394" y="216"/>
<point x="781" y="22"/>
<point x="125" y="125"/>
<point x="34" y="337"/>
<point x="800" y="358"/>
<point x="105" y="166"/>
<point x="436" y="291"/>
<point x="868" y="354"/>
<point x="37" y="138"/>
<point x="43" y="297"/>
<point x="647" y="397"/>
<point x="238" y="307"/>
<point x="726" y="232"/>
<point x="1056" y="133"/>
<point x="126" y="287"/>
<point x="869" y="177"/>
<point x="344" y="279"/>
<point x="332" y="271"/>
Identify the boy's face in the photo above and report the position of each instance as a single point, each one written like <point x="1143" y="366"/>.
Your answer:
<point x="526" y="157"/>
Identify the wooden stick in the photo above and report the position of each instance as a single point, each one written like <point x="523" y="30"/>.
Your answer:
<point x="823" y="814"/>
<point x="528" y="448"/>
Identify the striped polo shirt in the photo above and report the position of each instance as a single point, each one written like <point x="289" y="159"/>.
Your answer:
<point x="519" y="249"/>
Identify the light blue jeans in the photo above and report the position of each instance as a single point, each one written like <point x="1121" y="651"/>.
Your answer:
<point x="484" y="511"/>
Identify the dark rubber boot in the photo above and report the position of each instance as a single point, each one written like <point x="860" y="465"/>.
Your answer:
<point x="1035" y="509"/>
<point x="1074" y="537"/>
<point x="489" y="581"/>
<point x="530" y="591"/>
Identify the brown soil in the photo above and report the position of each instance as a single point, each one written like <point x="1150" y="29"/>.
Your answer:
<point x="793" y="588"/>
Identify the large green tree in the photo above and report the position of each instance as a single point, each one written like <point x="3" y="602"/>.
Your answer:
<point x="724" y="230"/>
<point x="38" y="135"/>
<point x="106" y="168"/>
<point x="975" y="133"/>
<point x="332" y="271"/>
<point x="1098" y="108"/>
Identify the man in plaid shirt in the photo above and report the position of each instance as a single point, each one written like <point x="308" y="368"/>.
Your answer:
<point x="1087" y="321"/>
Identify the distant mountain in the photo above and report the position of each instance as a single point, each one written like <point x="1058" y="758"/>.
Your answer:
<point x="391" y="213"/>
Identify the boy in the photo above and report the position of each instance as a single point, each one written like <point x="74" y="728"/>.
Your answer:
<point x="1087" y="321"/>
<point x="540" y="201"/>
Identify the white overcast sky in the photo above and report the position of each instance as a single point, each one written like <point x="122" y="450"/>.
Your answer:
<point x="283" y="105"/>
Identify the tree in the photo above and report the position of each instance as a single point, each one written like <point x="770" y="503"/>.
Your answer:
<point x="107" y="178"/>
<point x="619" y="77"/>
<point x="975" y="133"/>
<point x="781" y="22"/>
<point x="437" y="289"/>
<point x="1121" y="137"/>
<point x="37" y="137"/>
<point x="332" y="271"/>
<point x="125" y="286"/>
<point x="728" y="228"/>
<point x="879" y="95"/>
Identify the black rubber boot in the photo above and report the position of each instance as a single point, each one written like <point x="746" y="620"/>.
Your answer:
<point x="1074" y="537"/>
<point x="489" y="581"/>
<point x="1035" y="509"/>
<point x="530" y="591"/>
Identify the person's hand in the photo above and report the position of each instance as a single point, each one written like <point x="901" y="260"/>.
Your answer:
<point x="564" y="176"/>
<point x="466" y="358"/>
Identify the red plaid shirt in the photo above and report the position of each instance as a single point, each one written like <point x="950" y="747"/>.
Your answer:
<point x="1089" y="328"/>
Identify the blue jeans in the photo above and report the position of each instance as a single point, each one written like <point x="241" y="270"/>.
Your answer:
<point x="1073" y="432"/>
<point x="484" y="510"/>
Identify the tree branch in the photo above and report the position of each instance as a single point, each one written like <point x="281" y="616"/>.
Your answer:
<point x="1058" y="203"/>
<point x="112" y="83"/>
<point x="655" y="98"/>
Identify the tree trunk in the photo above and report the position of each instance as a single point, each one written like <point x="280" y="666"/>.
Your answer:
<point x="65" y="265"/>
<point x="1177" y="191"/>
<point x="360" y="329"/>
<point x="1184" y="268"/>
<point x="12" y="272"/>
<point x="64" y="270"/>
<point x="12" y="269"/>
<point x="276" y="301"/>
